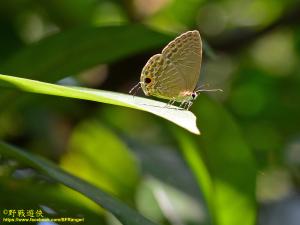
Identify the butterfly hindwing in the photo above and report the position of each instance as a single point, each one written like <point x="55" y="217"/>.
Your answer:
<point x="159" y="78"/>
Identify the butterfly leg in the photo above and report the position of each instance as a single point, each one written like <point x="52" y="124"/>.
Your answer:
<point x="136" y="87"/>
<point x="173" y="101"/>
<point x="182" y="104"/>
<point x="190" y="103"/>
<point x="186" y="105"/>
<point x="170" y="103"/>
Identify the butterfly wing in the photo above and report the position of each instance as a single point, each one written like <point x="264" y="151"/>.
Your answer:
<point x="176" y="70"/>
<point x="185" y="54"/>
<point x="161" y="79"/>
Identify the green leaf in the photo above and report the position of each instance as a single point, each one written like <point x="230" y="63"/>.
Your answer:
<point x="196" y="162"/>
<point x="159" y="160"/>
<point x="106" y="171"/>
<point x="62" y="200"/>
<point x="182" y="118"/>
<point x="177" y="14"/>
<point x="223" y="164"/>
<point x="126" y="215"/>
<point x="75" y="50"/>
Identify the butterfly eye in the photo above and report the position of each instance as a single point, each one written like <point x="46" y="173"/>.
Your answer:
<point x="147" y="80"/>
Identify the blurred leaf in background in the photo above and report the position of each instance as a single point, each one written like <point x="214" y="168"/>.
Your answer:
<point x="113" y="159"/>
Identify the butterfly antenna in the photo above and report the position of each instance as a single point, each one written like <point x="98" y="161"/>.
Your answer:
<point x="135" y="87"/>
<point x="203" y="86"/>
<point x="207" y="90"/>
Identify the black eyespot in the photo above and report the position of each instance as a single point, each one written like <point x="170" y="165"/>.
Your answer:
<point x="194" y="95"/>
<point x="147" y="80"/>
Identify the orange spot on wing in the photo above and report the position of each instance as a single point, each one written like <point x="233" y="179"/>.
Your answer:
<point x="185" y="93"/>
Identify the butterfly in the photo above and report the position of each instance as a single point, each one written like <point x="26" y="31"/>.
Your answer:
<point x="174" y="73"/>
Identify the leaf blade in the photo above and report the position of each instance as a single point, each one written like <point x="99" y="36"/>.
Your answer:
<point x="125" y="214"/>
<point x="55" y="57"/>
<point x="183" y="118"/>
<point x="229" y="171"/>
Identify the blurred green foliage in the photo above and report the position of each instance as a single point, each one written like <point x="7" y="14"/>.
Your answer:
<point x="247" y="159"/>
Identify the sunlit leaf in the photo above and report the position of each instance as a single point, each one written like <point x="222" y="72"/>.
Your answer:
<point x="182" y="118"/>
<point x="103" y="159"/>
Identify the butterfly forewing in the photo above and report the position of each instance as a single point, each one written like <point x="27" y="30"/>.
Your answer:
<point x="185" y="54"/>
